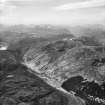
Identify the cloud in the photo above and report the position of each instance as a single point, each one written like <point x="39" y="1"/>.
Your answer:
<point x="5" y="6"/>
<point x="27" y="1"/>
<point x="80" y="5"/>
<point x="23" y="3"/>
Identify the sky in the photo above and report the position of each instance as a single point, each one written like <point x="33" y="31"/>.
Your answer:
<point x="56" y="12"/>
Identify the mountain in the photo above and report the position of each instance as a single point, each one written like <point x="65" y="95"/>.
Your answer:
<point x="60" y="61"/>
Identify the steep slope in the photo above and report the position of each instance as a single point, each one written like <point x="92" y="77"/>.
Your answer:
<point x="20" y="87"/>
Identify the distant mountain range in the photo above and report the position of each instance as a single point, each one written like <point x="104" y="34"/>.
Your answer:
<point x="15" y="32"/>
<point x="96" y="30"/>
<point x="11" y="33"/>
